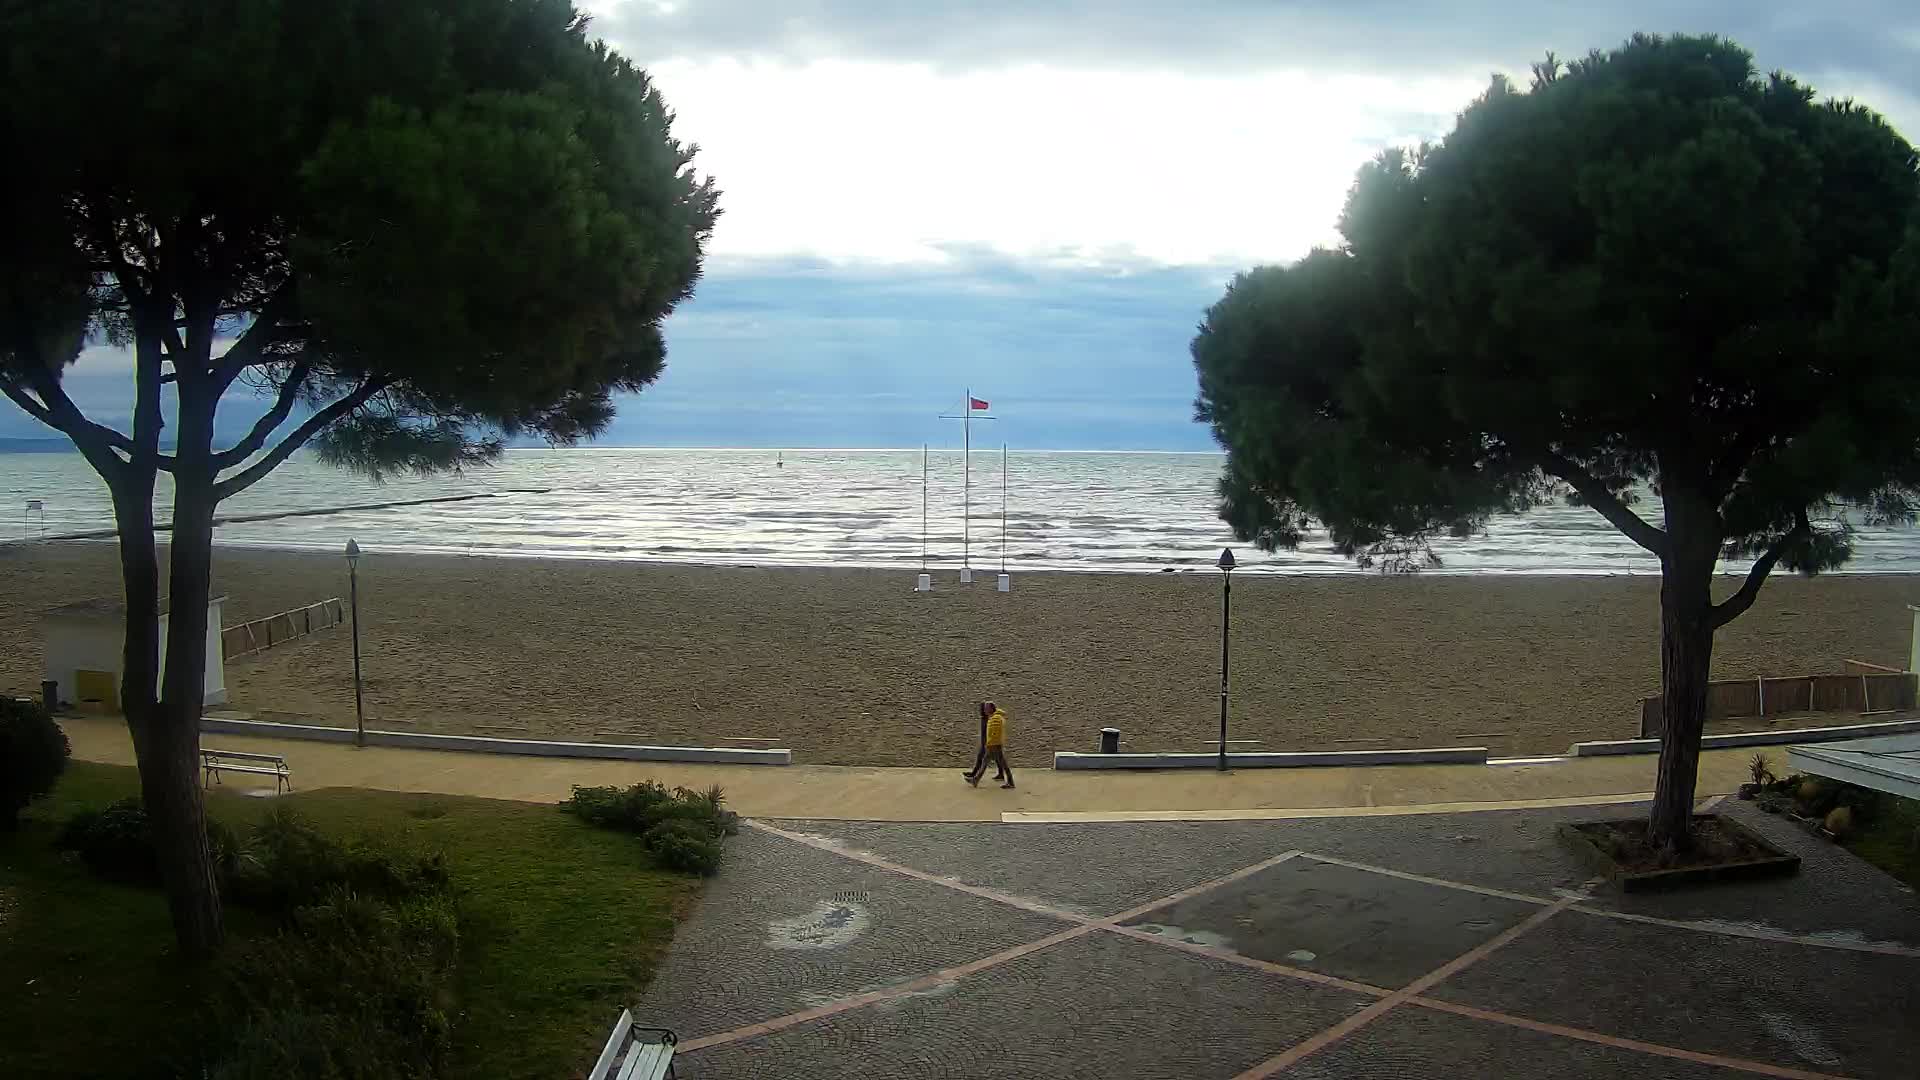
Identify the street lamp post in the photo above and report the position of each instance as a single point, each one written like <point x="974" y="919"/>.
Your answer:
<point x="1226" y="611"/>
<point x="353" y="591"/>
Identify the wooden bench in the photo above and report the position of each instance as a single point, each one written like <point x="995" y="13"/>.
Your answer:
<point x="628" y="1057"/>
<point x="214" y="762"/>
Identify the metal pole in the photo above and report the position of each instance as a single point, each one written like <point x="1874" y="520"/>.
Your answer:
<point x="359" y="709"/>
<point x="1226" y="611"/>
<point x="1003" y="508"/>
<point x="966" y="484"/>
<point x="923" y="507"/>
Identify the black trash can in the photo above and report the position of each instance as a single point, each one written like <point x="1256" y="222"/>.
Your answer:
<point x="1109" y="740"/>
<point x="50" y="696"/>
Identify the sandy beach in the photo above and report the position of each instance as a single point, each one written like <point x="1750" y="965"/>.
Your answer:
<point x="851" y="667"/>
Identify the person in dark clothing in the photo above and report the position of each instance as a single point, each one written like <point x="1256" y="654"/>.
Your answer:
<point x="980" y="750"/>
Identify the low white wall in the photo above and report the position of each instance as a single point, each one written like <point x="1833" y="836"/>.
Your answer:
<point x="719" y="755"/>
<point x="1749" y="738"/>
<point x="1445" y="755"/>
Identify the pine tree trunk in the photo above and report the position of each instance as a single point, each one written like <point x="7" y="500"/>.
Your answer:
<point x="166" y="750"/>
<point x="177" y="809"/>
<point x="1686" y="662"/>
<point x="180" y="829"/>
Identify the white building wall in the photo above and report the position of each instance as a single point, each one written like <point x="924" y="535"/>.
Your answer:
<point x="90" y="643"/>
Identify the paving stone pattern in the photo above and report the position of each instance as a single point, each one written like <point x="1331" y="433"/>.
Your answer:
<point x="1381" y="931"/>
<point x="737" y="960"/>
<point x="1401" y="1045"/>
<point x="1082" y="1008"/>
<point x="786" y="928"/>
<point x="1825" y="1010"/>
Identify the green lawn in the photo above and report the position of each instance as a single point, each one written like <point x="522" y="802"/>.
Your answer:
<point x="562" y="923"/>
<point x="1892" y="840"/>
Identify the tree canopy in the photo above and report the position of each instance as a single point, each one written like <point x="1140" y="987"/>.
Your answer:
<point x="1655" y="269"/>
<point x="417" y="228"/>
<point x="426" y="224"/>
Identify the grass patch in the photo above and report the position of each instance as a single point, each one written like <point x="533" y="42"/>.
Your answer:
<point x="1891" y="840"/>
<point x="561" y="926"/>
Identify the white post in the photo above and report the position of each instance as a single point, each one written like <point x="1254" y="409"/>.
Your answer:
<point x="1913" y="655"/>
<point x="924" y="583"/>
<point x="966" y="492"/>
<point x="1005" y="584"/>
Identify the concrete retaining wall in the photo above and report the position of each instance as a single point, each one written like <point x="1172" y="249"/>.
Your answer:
<point x="1448" y="755"/>
<point x="723" y="755"/>
<point x="1751" y="738"/>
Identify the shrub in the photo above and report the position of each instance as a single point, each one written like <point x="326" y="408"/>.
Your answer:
<point x="683" y="845"/>
<point x="1840" y="822"/>
<point x="353" y="987"/>
<point x="681" y="828"/>
<point x="1761" y="770"/>
<point x="117" y="843"/>
<point x="287" y="863"/>
<point x="33" y="754"/>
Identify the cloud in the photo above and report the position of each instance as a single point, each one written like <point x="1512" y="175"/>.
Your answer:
<point x="807" y="352"/>
<point x="1184" y="133"/>
<point x="1395" y="37"/>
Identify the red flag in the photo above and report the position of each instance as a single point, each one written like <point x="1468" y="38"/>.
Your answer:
<point x="976" y="403"/>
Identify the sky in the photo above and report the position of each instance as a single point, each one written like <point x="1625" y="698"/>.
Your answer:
<point x="1037" y="199"/>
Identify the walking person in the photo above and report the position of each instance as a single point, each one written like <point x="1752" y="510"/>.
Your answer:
<point x="993" y="741"/>
<point x="980" y="748"/>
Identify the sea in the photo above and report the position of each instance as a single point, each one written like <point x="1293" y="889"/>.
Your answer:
<point x="1032" y="510"/>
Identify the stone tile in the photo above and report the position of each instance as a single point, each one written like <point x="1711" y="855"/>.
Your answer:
<point x="1827" y="1010"/>
<point x="784" y="927"/>
<point x="1358" y="925"/>
<point x="1099" y="1006"/>
<point x="1836" y="894"/>
<point x="1094" y="869"/>
<point x="1412" y="1043"/>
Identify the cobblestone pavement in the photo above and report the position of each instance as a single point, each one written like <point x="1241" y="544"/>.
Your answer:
<point x="1463" y="945"/>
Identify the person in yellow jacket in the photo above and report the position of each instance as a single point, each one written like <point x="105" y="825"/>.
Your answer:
<point x="993" y="746"/>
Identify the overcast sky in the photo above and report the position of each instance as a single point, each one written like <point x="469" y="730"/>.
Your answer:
<point x="1036" y="199"/>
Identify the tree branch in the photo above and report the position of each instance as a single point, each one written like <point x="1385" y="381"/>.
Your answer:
<point x="313" y="425"/>
<point x="265" y="426"/>
<point x="95" y="442"/>
<point x="1606" y="502"/>
<point x="1736" y="605"/>
<point x="247" y="349"/>
<point x="56" y="410"/>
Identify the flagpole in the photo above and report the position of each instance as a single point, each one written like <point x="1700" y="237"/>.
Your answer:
<point x="966" y="486"/>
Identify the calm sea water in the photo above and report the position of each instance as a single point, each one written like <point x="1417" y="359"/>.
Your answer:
<point x="1083" y="511"/>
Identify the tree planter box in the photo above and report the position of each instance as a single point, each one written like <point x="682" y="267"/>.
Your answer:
<point x="1769" y="862"/>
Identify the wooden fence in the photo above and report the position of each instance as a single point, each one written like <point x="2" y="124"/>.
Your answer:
<point x="1867" y="688"/>
<point x="252" y="637"/>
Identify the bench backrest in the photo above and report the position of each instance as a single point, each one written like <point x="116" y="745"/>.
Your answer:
<point x="603" y="1068"/>
<point x="208" y="753"/>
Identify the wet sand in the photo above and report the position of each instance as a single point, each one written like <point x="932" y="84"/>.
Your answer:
<point x="852" y="667"/>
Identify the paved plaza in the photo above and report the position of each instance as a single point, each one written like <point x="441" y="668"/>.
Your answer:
<point x="1439" y="945"/>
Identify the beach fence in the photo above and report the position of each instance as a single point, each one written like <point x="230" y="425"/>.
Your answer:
<point x="264" y="633"/>
<point x="1864" y="688"/>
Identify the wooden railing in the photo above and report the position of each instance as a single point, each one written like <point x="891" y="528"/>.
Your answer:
<point x="265" y="633"/>
<point x="1867" y="688"/>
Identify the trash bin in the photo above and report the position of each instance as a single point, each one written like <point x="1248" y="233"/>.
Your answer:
<point x="1109" y="740"/>
<point x="50" y="696"/>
